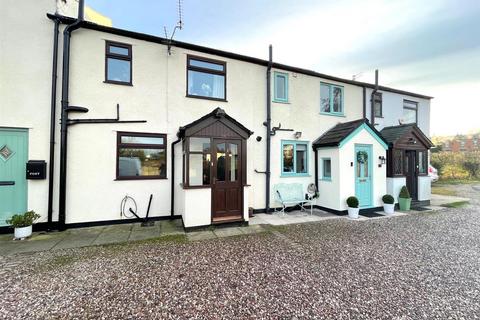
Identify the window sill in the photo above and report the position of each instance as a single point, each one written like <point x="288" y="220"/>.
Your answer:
<point x="128" y="84"/>
<point x="326" y="179"/>
<point x="139" y="178"/>
<point x="333" y="114"/>
<point x="205" y="98"/>
<point x="196" y="187"/>
<point x="281" y="101"/>
<point x="380" y="117"/>
<point x="294" y="175"/>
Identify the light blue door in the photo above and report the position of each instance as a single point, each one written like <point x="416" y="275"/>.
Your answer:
<point x="363" y="174"/>
<point x="13" y="184"/>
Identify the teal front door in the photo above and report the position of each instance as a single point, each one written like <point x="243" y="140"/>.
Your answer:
<point x="13" y="184"/>
<point x="363" y="174"/>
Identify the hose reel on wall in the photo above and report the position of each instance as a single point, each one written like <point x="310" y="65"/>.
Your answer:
<point x="132" y="213"/>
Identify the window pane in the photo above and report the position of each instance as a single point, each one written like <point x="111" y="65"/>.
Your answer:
<point x="288" y="158"/>
<point x="327" y="168"/>
<point x="206" y="65"/>
<point x="206" y="84"/>
<point x="324" y="98"/>
<point x="397" y="162"/>
<point x="233" y="162"/>
<point x="200" y="144"/>
<point x="422" y="162"/>
<point x="280" y="87"/>
<point x="142" y="140"/>
<point x="221" y="162"/>
<point x="199" y="171"/>
<point x="378" y="108"/>
<point x="410" y="104"/>
<point x="337" y="99"/>
<point x="141" y="162"/>
<point x="118" y="50"/>
<point x="118" y="70"/>
<point x="301" y="158"/>
<point x="409" y="116"/>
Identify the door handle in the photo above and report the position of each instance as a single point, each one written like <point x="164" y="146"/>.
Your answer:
<point x="7" y="183"/>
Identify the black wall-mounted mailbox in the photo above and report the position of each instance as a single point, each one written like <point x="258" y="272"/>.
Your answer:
<point x="36" y="169"/>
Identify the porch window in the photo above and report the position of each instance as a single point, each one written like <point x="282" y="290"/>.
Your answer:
<point x="206" y="78"/>
<point x="199" y="161"/>
<point x="280" y="87"/>
<point x="118" y="63"/>
<point x="397" y="162"/>
<point x="141" y="156"/>
<point x="410" y="112"/>
<point x="377" y="105"/>
<point x="294" y="158"/>
<point x="331" y="99"/>
<point x="327" y="169"/>
<point x="422" y="162"/>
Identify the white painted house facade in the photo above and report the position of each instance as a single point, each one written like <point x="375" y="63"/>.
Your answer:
<point x="186" y="124"/>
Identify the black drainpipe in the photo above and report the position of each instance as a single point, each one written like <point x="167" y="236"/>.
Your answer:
<point x="172" y="176"/>
<point x="372" y="99"/>
<point x="51" y="165"/>
<point x="64" y="115"/>
<point x="364" y="103"/>
<point x="269" y="129"/>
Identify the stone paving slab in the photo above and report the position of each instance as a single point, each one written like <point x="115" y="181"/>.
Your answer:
<point x="112" y="237"/>
<point x="227" y="232"/>
<point x="200" y="235"/>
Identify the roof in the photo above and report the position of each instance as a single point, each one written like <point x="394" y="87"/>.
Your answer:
<point x="395" y="133"/>
<point x="226" y="54"/>
<point x="217" y="113"/>
<point x="337" y="134"/>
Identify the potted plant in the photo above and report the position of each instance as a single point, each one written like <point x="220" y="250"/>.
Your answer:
<point x="352" y="203"/>
<point x="23" y="224"/>
<point x="404" y="199"/>
<point x="388" y="204"/>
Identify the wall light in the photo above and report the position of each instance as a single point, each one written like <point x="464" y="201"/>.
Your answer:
<point x="298" y="135"/>
<point x="381" y="161"/>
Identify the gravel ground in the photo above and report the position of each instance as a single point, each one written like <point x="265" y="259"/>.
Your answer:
<point x="420" y="266"/>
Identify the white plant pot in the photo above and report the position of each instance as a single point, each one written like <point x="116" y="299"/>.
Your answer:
<point x="353" y="213"/>
<point x="388" y="208"/>
<point x="23" y="232"/>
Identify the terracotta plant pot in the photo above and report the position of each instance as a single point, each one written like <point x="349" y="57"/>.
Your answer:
<point x="404" y="203"/>
<point x="24" y="232"/>
<point x="353" y="213"/>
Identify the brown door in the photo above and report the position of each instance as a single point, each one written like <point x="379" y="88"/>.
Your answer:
<point x="227" y="190"/>
<point x="411" y="172"/>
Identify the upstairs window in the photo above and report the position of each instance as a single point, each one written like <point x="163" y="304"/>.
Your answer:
<point x="141" y="156"/>
<point x="118" y="63"/>
<point x="206" y="78"/>
<point x="410" y="112"/>
<point x="331" y="99"/>
<point x="280" y="92"/>
<point x="294" y="158"/>
<point x="377" y="105"/>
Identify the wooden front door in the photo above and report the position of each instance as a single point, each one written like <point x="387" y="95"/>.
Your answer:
<point x="411" y="172"/>
<point x="227" y="188"/>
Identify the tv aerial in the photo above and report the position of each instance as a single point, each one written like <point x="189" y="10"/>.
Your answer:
<point x="178" y="26"/>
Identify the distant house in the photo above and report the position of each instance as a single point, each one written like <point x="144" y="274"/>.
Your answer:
<point x="461" y="143"/>
<point x="198" y="128"/>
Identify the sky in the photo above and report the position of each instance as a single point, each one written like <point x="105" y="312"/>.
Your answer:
<point x="428" y="47"/>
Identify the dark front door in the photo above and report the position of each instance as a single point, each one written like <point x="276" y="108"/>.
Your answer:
<point x="411" y="173"/>
<point x="227" y="190"/>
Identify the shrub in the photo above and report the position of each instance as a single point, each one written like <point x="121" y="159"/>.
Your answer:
<point x="352" y="202"/>
<point x="388" y="199"/>
<point x="404" y="194"/>
<point x="23" y="220"/>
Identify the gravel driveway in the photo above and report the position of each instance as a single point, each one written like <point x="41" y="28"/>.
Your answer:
<point x="420" y="266"/>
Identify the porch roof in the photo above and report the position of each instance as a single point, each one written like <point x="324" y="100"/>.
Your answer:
<point x="396" y="135"/>
<point x="338" y="135"/>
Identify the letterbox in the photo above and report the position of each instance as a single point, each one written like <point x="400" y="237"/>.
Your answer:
<point x="36" y="169"/>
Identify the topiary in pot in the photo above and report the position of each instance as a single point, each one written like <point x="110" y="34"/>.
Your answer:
<point x="352" y="203"/>
<point x="388" y="204"/>
<point x="22" y="224"/>
<point x="404" y="199"/>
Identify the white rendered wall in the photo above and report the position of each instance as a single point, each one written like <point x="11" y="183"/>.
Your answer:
<point x="347" y="174"/>
<point x="329" y="190"/>
<point x="197" y="207"/>
<point x="394" y="185"/>
<point x="424" y="188"/>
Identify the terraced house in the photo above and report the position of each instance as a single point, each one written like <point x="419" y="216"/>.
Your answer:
<point x="92" y="114"/>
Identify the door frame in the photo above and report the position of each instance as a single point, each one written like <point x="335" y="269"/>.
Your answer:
<point x="413" y="164"/>
<point x="242" y="153"/>
<point x="370" y="169"/>
<point x="27" y="150"/>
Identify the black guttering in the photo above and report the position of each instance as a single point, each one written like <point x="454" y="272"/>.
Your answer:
<point x="226" y="54"/>
<point x="372" y="99"/>
<point x="268" y="124"/>
<point x="64" y="114"/>
<point x="172" y="177"/>
<point x="53" y="104"/>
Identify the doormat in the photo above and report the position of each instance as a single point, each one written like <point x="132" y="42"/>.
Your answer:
<point x="371" y="214"/>
<point x="420" y="209"/>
